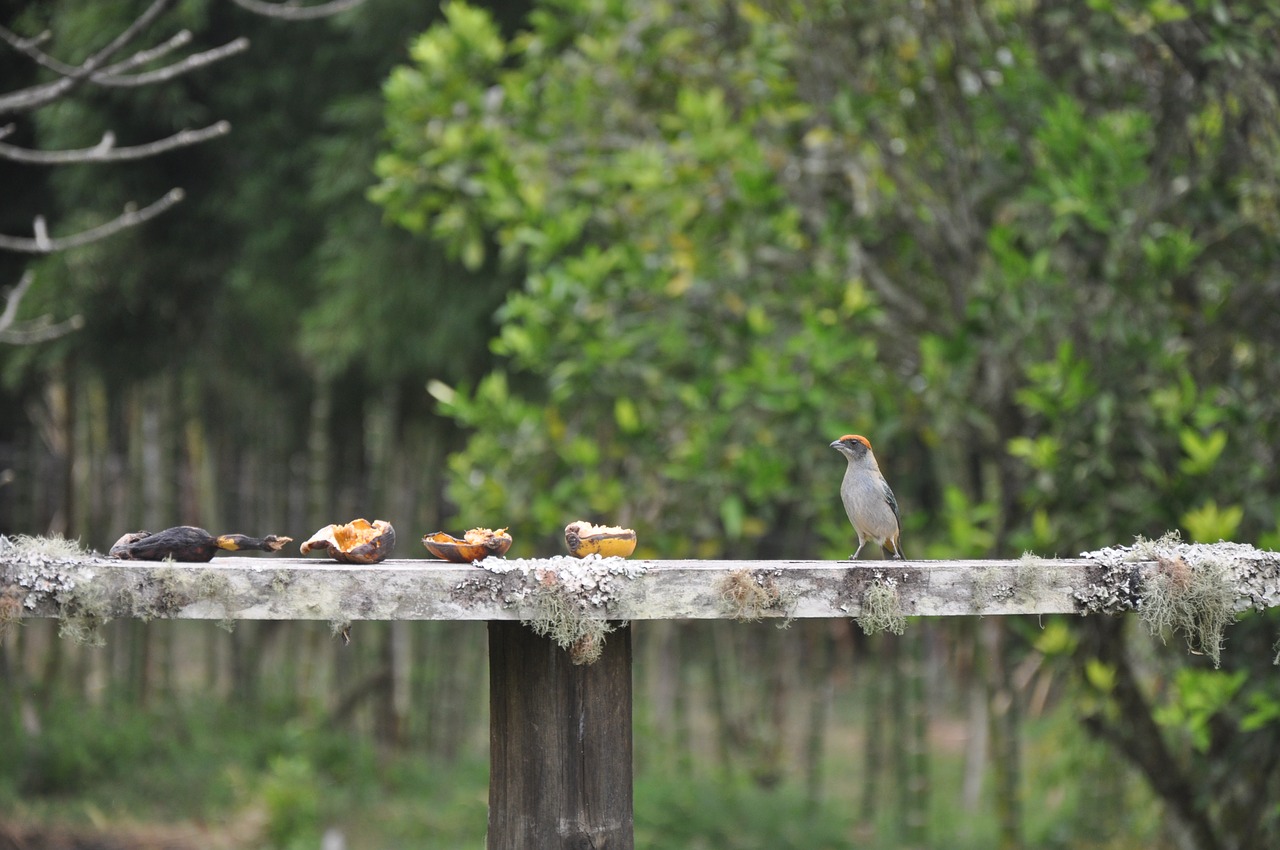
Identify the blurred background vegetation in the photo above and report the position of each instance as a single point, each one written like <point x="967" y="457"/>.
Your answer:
<point x="518" y="264"/>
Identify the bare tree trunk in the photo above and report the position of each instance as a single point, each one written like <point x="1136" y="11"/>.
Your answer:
<point x="1006" y="750"/>
<point x="379" y="446"/>
<point x="780" y="687"/>
<point x="428" y="652"/>
<point x="11" y="684"/>
<point x="897" y="728"/>
<point x="137" y="652"/>
<point x="975" y="751"/>
<point x="152" y="459"/>
<point x="81" y="483"/>
<point x="250" y="642"/>
<point x="60" y="439"/>
<point x="55" y="650"/>
<point x="872" y="684"/>
<point x="393" y="702"/>
<point x="319" y="451"/>
<point x="915" y="809"/>
<point x="823" y="693"/>
<point x="97" y="484"/>
<point x="204" y="502"/>
<point x="682" y="707"/>
<point x="657" y="640"/>
<point x="723" y="695"/>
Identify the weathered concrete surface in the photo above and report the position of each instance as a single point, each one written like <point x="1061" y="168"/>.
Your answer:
<point x="275" y="588"/>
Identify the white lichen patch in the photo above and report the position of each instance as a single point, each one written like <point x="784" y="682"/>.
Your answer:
<point x="43" y="572"/>
<point x="569" y="600"/>
<point x="45" y="568"/>
<point x="1254" y="573"/>
<point x="596" y="581"/>
<point x="593" y="581"/>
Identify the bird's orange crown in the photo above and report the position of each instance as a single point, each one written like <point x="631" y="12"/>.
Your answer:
<point x="859" y="438"/>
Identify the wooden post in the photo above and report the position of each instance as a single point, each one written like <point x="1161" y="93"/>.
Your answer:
<point x="559" y="744"/>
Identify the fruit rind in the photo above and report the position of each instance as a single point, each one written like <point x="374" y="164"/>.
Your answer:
<point x="584" y="538"/>
<point x="476" y="545"/>
<point x="356" y="542"/>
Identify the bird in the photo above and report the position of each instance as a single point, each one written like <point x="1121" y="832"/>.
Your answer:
<point x="868" y="500"/>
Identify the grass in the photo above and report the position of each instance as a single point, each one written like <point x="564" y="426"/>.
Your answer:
<point x="284" y="781"/>
<point x="104" y="769"/>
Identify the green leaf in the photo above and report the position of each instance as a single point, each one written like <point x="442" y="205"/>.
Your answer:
<point x="626" y="415"/>
<point x="732" y="516"/>
<point x="1100" y="675"/>
<point x="1209" y="523"/>
<point x="1201" y="452"/>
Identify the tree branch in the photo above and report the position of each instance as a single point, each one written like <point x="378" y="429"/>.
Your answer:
<point x="106" y="151"/>
<point x="37" y="330"/>
<point x="34" y="97"/>
<point x="14" y="297"/>
<point x="100" y="69"/>
<point x="111" y="76"/>
<point x="861" y="264"/>
<point x="43" y="244"/>
<point x="292" y="11"/>
<point x="30" y="48"/>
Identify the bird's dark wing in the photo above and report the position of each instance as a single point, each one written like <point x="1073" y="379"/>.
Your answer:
<point x="896" y="549"/>
<point x="893" y="503"/>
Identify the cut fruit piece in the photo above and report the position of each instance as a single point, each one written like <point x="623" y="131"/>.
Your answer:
<point x="357" y="542"/>
<point x="607" y="541"/>
<point x="476" y="545"/>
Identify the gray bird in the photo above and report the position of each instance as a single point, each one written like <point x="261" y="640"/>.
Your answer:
<point x="867" y="498"/>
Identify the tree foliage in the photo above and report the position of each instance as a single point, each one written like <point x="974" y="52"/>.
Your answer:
<point x="1023" y="248"/>
<point x="1019" y="248"/>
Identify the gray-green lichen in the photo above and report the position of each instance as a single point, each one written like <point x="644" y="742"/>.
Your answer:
<point x="1030" y="576"/>
<point x="569" y="600"/>
<point x="882" y="607"/>
<point x="1028" y="579"/>
<point x="171" y="588"/>
<point x="1195" y="589"/>
<point x="748" y="596"/>
<point x="50" y="571"/>
<point x="55" y="576"/>
<point x="341" y="628"/>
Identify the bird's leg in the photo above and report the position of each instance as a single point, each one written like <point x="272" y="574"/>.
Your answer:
<point x="861" y="543"/>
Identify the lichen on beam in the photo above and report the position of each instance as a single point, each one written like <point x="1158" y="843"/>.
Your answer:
<point x="612" y="589"/>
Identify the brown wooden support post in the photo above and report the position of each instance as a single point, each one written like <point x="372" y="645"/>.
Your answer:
<point x="559" y="744"/>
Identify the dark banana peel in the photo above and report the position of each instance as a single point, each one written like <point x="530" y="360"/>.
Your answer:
<point x="189" y="544"/>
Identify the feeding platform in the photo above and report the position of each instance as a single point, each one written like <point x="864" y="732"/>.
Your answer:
<point x="560" y="643"/>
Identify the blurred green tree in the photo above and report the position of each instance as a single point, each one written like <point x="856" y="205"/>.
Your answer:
<point x="1022" y="248"/>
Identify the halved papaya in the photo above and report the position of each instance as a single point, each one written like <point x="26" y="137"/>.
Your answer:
<point x="357" y="542"/>
<point x="476" y="545"/>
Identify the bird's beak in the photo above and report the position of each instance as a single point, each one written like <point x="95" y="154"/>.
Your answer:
<point x="835" y="444"/>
